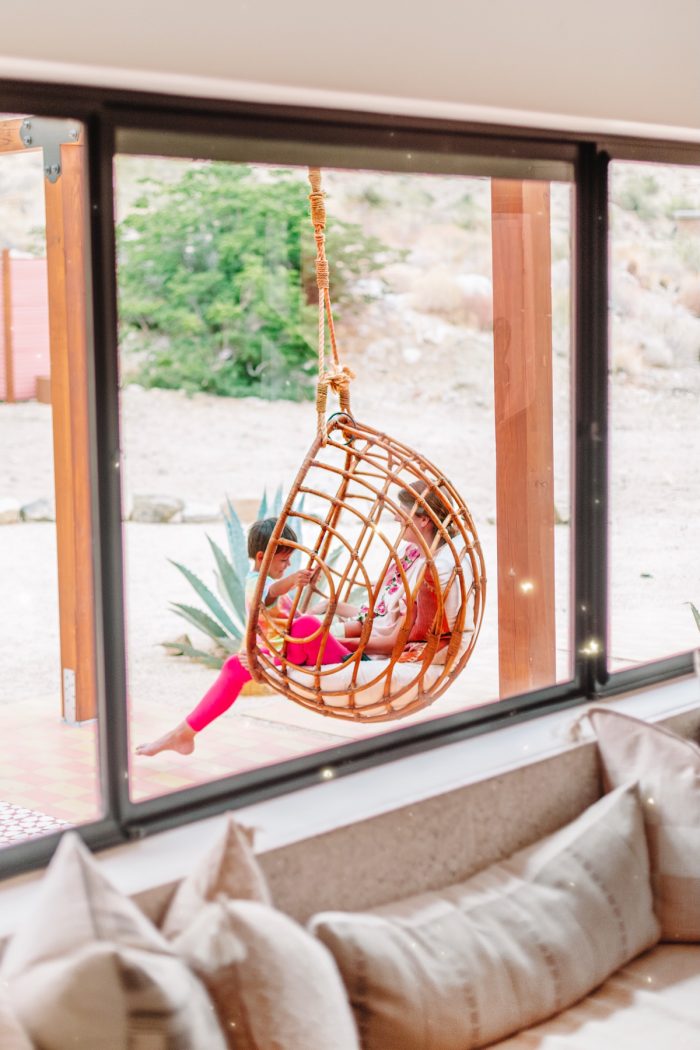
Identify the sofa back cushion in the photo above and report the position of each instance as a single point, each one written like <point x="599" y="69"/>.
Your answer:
<point x="667" y="768"/>
<point x="89" y="970"/>
<point x="274" y="986"/>
<point x="229" y="869"/>
<point x="517" y="943"/>
<point x="12" y="1035"/>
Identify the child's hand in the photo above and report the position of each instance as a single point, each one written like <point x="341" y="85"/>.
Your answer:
<point x="301" y="578"/>
<point x="243" y="659"/>
<point x="315" y="573"/>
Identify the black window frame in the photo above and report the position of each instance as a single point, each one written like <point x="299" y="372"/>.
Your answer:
<point x="103" y="111"/>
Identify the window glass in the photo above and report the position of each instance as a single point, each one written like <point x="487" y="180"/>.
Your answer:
<point x="48" y="696"/>
<point x="452" y="304"/>
<point x="654" y="412"/>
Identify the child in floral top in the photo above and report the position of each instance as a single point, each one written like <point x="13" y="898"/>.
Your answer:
<point x="390" y="608"/>
<point x="277" y="592"/>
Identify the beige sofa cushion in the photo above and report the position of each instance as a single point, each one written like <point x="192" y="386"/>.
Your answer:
<point x="653" y="1002"/>
<point x="89" y="970"/>
<point x="274" y="986"/>
<point x="668" y="770"/>
<point x="229" y="869"/>
<point x="12" y="1035"/>
<point x="513" y="945"/>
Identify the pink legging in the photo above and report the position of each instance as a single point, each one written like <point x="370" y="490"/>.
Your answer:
<point x="233" y="675"/>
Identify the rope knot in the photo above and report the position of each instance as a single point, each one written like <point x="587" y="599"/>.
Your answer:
<point x="339" y="379"/>
<point x="318" y="210"/>
<point x="322" y="273"/>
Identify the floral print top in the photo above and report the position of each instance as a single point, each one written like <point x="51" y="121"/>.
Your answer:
<point x="391" y="584"/>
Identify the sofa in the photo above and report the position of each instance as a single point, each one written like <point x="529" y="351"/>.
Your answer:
<point x="587" y="938"/>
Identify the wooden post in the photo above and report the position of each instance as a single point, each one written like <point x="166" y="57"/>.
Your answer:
<point x="10" y="141"/>
<point x="66" y="219"/>
<point x="66" y="228"/>
<point x="7" y="327"/>
<point x="522" y="304"/>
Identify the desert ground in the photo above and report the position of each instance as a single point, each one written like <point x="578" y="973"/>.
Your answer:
<point x="423" y="356"/>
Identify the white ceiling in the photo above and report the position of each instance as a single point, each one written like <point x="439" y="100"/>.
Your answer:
<point x="627" y="60"/>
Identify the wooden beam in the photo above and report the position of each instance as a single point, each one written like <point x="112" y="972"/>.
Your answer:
<point x="66" y="223"/>
<point x="522" y="304"/>
<point x="10" y="141"/>
<point x="7" y="327"/>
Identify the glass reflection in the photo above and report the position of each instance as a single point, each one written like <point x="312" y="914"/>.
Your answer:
<point x="218" y="362"/>
<point x="654" y="412"/>
<point x="48" y="778"/>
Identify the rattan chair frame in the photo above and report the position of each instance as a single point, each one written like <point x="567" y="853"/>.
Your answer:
<point x="367" y="455"/>
<point x="373" y="462"/>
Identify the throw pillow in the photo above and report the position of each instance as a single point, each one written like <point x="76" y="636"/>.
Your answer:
<point x="667" y="768"/>
<point x="229" y="869"/>
<point x="89" y="970"/>
<point x="12" y="1035"/>
<point x="274" y="986"/>
<point x="517" y="943"/>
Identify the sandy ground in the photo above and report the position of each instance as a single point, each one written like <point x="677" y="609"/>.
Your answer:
<point x="426" y="378"/>
<point x="203" y="448"/>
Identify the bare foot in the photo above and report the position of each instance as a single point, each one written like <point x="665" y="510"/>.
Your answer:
<point x="180" y="739"/>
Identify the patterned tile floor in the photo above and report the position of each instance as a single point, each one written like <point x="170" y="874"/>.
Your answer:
<point x="49" y="772"/>
<point x="18" y="823"/>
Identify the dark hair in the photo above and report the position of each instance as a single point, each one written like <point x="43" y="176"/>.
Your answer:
<point x="260" y="532"/>
<point x="437" y="499"/>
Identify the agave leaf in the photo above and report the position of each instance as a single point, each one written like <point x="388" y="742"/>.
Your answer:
<point x="209" y="599"/>
<point x="330" y="562"/>
<point x="199" y="619"/>
<point x="334" y="555"/>
<point x="231" y="645"/>
<point x="696" y="614"/>
<point x="296" y="524"/>
<point x="232" y="585"/>
<point x="236" y="540"/>
<point x="357" y="596"/>
<point x="262" y="509"/>
<point x="277" y="502"/>
<point x="181" y="649"/>
<point x="299" y="509"/>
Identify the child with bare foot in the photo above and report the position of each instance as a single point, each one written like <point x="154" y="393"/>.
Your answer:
<point x="234" y="674"/>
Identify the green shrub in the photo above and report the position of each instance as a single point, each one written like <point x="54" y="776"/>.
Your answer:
<point x="217" y="287"/>
<point x="635" y="194"/>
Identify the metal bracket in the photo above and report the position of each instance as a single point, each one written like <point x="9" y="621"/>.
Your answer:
<point x="49" y="134"/>
<point x="69" y="703"/>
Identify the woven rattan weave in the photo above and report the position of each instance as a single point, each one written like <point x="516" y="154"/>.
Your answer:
<point x="346" y="509"/>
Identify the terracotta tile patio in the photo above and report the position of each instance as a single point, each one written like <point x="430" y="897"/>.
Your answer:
<point x="50" y="773"/>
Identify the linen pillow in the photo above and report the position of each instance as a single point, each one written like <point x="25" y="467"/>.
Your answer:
<point x="89" y="970"/>
<point x="515" y="944"/>
<point x="12" y="1035"/>
<point x="667" y="768"/>
<point x="274" y="986"/>
<point x="229" y="869"/>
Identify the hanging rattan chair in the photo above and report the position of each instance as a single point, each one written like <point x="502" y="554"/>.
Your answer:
<point x="355" y="495"/>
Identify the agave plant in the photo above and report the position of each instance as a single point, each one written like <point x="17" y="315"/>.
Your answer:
<point x="696" y="613"/>
<point x="223" y="617"/>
